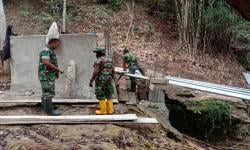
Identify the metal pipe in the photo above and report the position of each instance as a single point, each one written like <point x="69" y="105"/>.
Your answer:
<point x="214" y="87"/>
<point x="211" y="85"/>
<point x="210" y="90"/>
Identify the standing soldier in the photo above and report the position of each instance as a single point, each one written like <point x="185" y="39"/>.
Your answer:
<point x="48" y="70"/>
<point x="103" y="75"/>
<point x="130" y="62"/>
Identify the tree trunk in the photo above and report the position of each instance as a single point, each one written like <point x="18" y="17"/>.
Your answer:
<point x="64" y="16"/>
<point x="189" y="17"/>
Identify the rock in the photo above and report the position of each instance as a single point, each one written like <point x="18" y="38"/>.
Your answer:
<point x="161" y="113"/>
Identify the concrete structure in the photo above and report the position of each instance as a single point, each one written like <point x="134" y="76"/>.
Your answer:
<point x="25" y="57"/>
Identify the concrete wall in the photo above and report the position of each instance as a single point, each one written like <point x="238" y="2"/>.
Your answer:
<point x="25" y="57"/>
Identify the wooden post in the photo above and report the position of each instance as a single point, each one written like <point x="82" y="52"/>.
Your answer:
<point x="70" y="80"/>
<point x="64" y="16"/>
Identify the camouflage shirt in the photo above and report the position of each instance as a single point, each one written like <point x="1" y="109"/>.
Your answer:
<point x="103" y="85"/>
<point x="131" y="60"/>
<point x="106" y="65"/>
<point x="44" y="73"/>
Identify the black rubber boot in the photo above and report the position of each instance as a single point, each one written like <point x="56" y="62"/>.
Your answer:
<point x="49" y="108"/>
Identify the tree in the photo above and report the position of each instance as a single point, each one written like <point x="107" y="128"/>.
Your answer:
<point x="189" y="18"/>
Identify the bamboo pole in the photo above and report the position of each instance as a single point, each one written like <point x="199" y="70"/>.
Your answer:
<point x="64" y="16"/>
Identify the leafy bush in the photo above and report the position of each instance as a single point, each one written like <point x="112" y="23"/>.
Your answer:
<point x="213" y="115"/>
<point x="45" y="20"/>
<point x="224" y="26"/>
<point x="113" y="4"/>
<point x="161" y="8"/>
<point x="53" y="6"/>
<point x="75" y="13"/>
<point x="25" y="11"/>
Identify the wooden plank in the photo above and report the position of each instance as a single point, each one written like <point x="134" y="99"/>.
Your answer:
<point x="157" y="86"/>
<point x="70" y="101"/>
<point x="158" y="80"/>
<point x="66" y="119"/>
<point x="139" y="121"/>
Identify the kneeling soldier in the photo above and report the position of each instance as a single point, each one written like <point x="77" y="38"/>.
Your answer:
<point x="103" y="75"/>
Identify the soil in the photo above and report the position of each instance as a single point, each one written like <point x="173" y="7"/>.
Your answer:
<point x="86" y="136"/>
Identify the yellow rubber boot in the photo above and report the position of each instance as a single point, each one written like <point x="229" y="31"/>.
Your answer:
<point x="103" y="108"/>
<point x="110" y="107"/>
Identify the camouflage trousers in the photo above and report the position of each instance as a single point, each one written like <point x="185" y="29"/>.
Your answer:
<point x="103" y="88"/>
<point x="48" y="89"/>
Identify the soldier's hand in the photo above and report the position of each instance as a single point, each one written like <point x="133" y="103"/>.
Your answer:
<point x="61" y="71"/>
<point x="90" y="84"/>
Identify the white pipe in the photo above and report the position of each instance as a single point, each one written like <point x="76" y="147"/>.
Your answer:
<point x="211" y="84"/>
<point x="214" y="87"/>
<point x="210" y="90"/>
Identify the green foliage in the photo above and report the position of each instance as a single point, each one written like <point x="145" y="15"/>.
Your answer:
<point x="213" y="114"/>
<point x="53" y="6"/>
<point x="202" y="119"/>
<point x="161" y="8"/>
<point x="115" y="4"/>
<point x="25" y="12"/>
<point x="75" y="13"/>
<point x="112" y="4"/>
<point x="244" y="58"/>
<point x="149" y="29"/>
<point x="224" y="26"/>
<point x="45" y="20"/>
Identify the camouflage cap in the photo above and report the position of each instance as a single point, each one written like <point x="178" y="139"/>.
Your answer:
<point x="126" y="49"/>
<point x="100" y="50"/>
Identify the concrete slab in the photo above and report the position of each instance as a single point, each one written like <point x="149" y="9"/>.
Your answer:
<point x="25" y="57"/>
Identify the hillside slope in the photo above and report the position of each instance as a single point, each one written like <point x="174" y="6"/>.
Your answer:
<point x="153" y="40"/>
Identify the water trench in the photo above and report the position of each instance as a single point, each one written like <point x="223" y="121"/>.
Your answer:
<point x="207" y="124"/>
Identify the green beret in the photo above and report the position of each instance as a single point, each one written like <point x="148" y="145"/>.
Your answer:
<point x="100" y="50"/>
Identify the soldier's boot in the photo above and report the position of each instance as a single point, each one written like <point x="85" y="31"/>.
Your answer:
<point x="49" y="108"/>
<point x="103" y="108"/>
<point x="110" y="106"/>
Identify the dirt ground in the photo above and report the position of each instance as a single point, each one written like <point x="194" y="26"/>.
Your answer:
<point x="85" y="136"/>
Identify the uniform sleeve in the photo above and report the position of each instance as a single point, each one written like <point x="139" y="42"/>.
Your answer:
<point x="45" y="55"/>
<point x="125" y="58"/>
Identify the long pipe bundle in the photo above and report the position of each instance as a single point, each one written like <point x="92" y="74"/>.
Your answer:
<point x="210" y="87"/>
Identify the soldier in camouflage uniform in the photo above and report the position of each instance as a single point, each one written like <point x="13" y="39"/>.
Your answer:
<point x="103" y="75"/>
<point x="48" y="72"/>
<point x="130" y="62"/>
